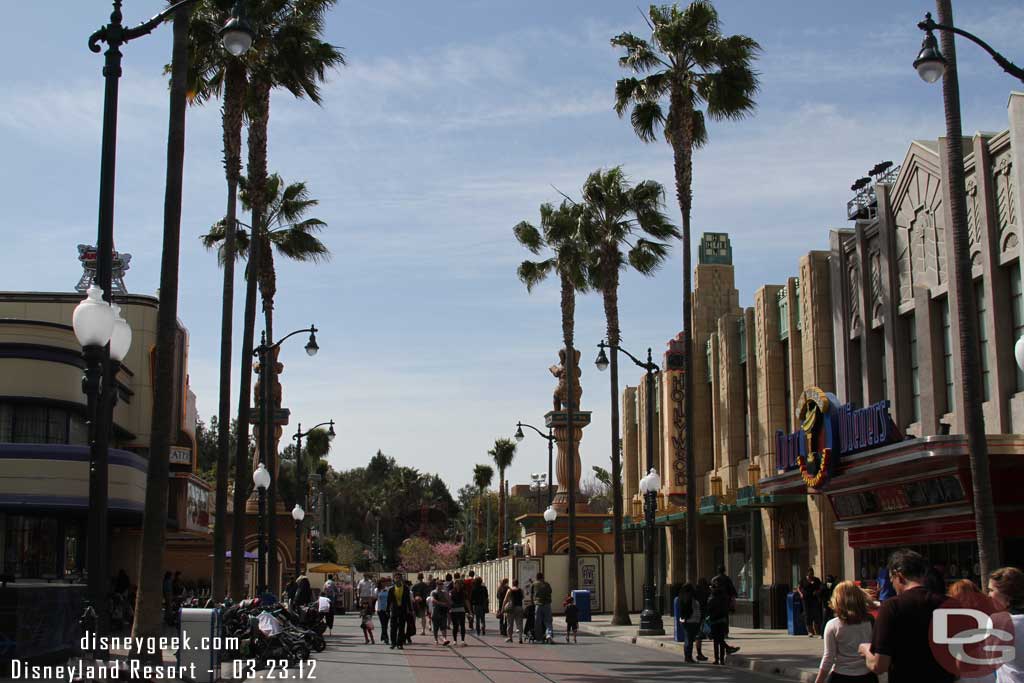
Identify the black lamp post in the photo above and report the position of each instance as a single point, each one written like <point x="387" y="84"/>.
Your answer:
<point x="932" y="64"/>
<point x="264" y="352"/>
<point x="550" y="436"/>
<point x="98" y="383"/>
<point x="301" y="485"/>
<point x="650" y="618"/>
<point x="261" y="479"/>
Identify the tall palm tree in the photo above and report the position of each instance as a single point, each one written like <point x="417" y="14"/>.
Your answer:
<point x="619" y="215"/>
<point x="213" y="72"/>
<point x="285" y="230"/>
<point x="154" y="522"/>
<point x="287" y="53"/>
<point x="483" y="476"/>
<point x="503" y="453"/>
<point x="687" y="64"/>
<point x="560" y="233"/>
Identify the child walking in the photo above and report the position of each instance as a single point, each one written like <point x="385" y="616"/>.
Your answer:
<point x="366" y="621"/>
<point x="572" y="618"/>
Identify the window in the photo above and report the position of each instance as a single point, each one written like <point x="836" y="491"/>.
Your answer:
<point x="883" y="375"/>
<point x="799" y="310"/>
<point x="28" y="423"/>
<point x="746" y="411"/>
<point x="786" y="394"/>
<point x="915" y="374"/>
<point x="740" y="563"/>
<point x="742" y="330"/>
<point x="30" y="547"/>
<point x="783" y="301"/>
<point x="986" y="377"/>
<point x="1017" y="308"/>
<point x="707" y="352"/>
<point x="947" y="354"/>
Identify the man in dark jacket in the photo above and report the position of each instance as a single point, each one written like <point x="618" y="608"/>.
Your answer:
<point x="399" y="608"/>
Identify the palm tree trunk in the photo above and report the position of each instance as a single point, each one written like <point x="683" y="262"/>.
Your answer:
<point x="232" y="125"/>
<point x="620" y="609"/>
<point x="967" y="317"/>
<point x="166" y="388"/>
<point x="682" y="152"/>
<point x="501" y="511"/>
<point x="568" y="294"/>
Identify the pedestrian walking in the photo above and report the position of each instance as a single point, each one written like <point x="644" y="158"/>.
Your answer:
<point x="718" y="620"/>
<point x="512" y="609"/>
<point x="827" y="587"/>
<point x="542" y="602"/>
<point x="399" y="607"/>
<point x="366" y="591"/>
<point x="325" y="606"/>
<point x="457" y="611"/>
<point x="967" y="594"/>
<point x="690" y="615"/>
<point x="840" y="660"/>
<point x="382" y="609"/>
<point x="900" y="644"/>
<point x="1006" y="588"/>
<point x="366" y="622"/>
<point x="303" y="592"/>
<point x="440" y="602"/>
<point x="468" y="581"/>
<point x="702" y="593"/>
<point x="722" y="579"/>
<point x="420" y="593"/>
<point x="500" y="595"/>
<point x="810" y="595"/>
<point x="480" y="600"/>
<point x="572" y="618"/>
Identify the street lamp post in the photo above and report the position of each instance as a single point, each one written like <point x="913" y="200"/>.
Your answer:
<point x="298" y="514"/>
<point x="98" y="382"/>
<point x="265" y="353"/>
<point x="550" y="436"/>
<point x="932" y="64"/>
<point x="261" y="479"/>
<point x="301" y="502"/>
<point x="650" y="619"/>
<point x="549" y="517"/>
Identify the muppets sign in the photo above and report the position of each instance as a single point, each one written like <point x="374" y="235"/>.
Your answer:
<point x="829" y="430"/>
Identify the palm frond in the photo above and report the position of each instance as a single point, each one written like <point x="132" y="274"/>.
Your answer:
<point x="647" y="119"/>
<point x="532" y="273"/>
<point x="299" y="244"/>
<point x="647" y="256"/>
<point x="528" y="236"/>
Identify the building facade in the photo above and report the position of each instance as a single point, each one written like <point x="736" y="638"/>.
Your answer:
<point x="44" y="452"/>
<point x="828" y="420"/>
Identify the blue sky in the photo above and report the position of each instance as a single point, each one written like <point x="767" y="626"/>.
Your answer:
<point x="451" y="123"/>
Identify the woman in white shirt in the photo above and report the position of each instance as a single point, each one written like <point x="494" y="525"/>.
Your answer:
<point x="851" y="626"/>
<point x="1006" y="588"/>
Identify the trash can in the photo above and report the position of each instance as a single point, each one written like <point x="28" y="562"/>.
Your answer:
<point x="582" y="600"/>
<point x="795" y="624"/>
<point x="203" y="630"/>
<point x="677" y="626"/>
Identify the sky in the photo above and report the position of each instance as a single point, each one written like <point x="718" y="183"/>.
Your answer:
<point x="453" y="121"/>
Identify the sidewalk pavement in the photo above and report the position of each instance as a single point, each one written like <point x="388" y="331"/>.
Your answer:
<point x="766" y="651"/>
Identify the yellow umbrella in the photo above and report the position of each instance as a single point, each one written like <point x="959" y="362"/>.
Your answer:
<point x="328" y="568"/>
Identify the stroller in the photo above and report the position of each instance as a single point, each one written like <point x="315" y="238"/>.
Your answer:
<point x="305" y="622"/>
<point x="529" y="618"/>
<point x="269" y="642"/>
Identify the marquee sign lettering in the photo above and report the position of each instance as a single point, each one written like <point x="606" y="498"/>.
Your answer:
<point x="679" y="432"/>
<point x="829" y="430"/>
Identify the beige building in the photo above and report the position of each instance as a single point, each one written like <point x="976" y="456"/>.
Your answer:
<point x="44" y="453"/>
<point x="828" y="425"/>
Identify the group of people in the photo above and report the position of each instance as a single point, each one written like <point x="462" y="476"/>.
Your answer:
<point x="871" y="633"/>
<point x="448" y="604"/>
<point x="704" y="615"/>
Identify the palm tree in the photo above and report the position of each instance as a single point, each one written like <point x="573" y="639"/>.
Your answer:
<point x="213" y="71"/>
<point x="504" y="452"/>
<point x="287" y="53"/>
<point x="619" y="215"/>
<point x="154" y="522"/>
<point x="689" y="63"/>
<point x="284" y="229"/>
<point x="560" y="233"/>
<point x="483" y="475"/>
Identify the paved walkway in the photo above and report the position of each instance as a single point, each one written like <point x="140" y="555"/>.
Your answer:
<point x="765" y="651"/>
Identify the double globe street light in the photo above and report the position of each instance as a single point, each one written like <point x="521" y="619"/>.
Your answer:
<point x="549" y="517"/>
<point x="519" y="436"/>
<point x="650" y="618"/>
<point x="105" y="339"/>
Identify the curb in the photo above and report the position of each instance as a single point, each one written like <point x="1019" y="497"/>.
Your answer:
<point x="755" y="664"/>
